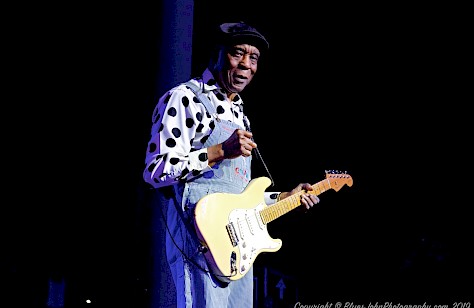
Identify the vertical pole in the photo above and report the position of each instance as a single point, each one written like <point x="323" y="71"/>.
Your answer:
<point x="56" y="293"/>
<point x="175" y="45"/>
<point x="174" y="66"/>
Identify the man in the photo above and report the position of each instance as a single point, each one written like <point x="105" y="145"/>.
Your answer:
<point x="201" y="144"/>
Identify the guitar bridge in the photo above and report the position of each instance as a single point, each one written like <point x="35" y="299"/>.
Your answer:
<point x="232" y="234"/>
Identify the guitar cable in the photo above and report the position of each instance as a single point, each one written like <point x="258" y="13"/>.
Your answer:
<point x="201" y="247"/>
<point x="247" y="127"/>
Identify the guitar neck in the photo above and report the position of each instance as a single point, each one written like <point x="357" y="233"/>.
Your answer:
<point x="288" y="204"/>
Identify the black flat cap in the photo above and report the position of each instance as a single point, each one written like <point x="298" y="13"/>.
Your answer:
<point x="242" y="33"/>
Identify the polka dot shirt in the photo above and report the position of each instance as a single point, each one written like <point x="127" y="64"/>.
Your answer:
<point x="180" y="127"/>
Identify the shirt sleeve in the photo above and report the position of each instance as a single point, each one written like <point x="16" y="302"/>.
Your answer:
<point x="175" y="149"/>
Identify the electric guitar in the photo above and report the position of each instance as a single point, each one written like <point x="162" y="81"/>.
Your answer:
<point x="233" y="227"/>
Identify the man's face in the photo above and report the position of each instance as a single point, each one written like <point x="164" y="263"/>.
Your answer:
<point x="237" y="65"/>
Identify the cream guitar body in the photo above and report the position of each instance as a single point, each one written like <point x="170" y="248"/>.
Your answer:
<point x="233" y="227"/>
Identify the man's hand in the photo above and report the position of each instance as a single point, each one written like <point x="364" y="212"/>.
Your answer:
<point x="239" y="143"/>
<point x="307" y="200"/>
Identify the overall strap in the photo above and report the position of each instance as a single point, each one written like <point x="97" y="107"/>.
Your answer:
<point x="201" y="97"/>
<point x="210" y="108"/>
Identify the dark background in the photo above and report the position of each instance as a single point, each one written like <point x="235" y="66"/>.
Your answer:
<point x="373" y="90"/>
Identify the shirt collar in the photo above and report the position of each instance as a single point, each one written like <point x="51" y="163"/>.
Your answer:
<point x="210" y="84"/>
<point x="209" y="81"/>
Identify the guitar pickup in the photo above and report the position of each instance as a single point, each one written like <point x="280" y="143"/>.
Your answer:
<point x="232" y="234"/>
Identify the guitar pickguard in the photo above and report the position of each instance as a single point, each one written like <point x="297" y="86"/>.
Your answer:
<point x="251" y="236"/>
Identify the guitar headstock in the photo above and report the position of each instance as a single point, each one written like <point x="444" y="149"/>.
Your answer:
<point x="337" y="179"/>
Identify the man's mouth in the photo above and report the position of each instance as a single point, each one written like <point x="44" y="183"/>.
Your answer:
<point x="240" y="78"/>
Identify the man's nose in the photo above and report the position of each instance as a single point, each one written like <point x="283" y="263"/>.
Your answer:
<point x="246" y="62"/>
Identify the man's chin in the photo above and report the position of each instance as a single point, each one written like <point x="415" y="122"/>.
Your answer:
<point x="237" y="88"/>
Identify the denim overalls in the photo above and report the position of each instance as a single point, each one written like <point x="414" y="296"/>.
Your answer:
<point x="187" y="263"/>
